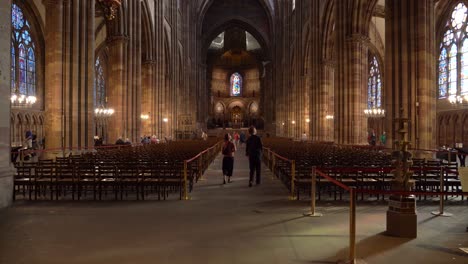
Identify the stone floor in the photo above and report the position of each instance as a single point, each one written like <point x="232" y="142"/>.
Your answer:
<point x="229" y="223"/>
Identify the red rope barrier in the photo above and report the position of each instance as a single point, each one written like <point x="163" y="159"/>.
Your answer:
<point x="409" y="192"/>
<point x="344" y="186"/>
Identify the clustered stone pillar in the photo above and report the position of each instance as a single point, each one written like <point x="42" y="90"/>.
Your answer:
<point x="410" y="70"/>
<point x="326" y="101"/>
<point x="351" y="71"/>
<point x="116" y="45"/>
<point x="54" y="116"/>
<point x="6" y="173"/>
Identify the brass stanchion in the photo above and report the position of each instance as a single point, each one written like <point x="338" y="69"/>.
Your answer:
<point x="273" y="164"/>
<point x="293" y="178"/>
<point x="200" y="167"/>
<point x="441" y="202"/>
<point x="185" y="181"/>
<point x="352" y="225"/>
<point x="313" y="191"/>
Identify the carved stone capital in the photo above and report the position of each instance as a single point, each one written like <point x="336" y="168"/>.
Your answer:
<point x="115" y="40"/>
<point x="149" y="62"/>
<point x="357" y="38"/>
<point x="328" y="63"/>
<point x="53" y="2"/>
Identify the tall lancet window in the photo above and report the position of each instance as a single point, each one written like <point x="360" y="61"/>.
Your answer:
<point x="99" y="85"/>
<point x="236" y="84"/>
<point x="453" y="57"/>
<point x="374" y="84"/>
<point x="23" y="58"/>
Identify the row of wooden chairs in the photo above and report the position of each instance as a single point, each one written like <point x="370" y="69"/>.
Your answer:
<point x="120" y="173"/>
<point x="363" y="168"/>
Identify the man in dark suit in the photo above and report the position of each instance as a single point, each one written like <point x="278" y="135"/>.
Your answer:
<point x="253" y="150"/>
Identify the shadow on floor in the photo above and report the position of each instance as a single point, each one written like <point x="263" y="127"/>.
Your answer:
<point x="371" y="246"/>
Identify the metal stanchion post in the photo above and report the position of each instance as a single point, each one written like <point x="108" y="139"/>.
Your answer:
<point x="200" y="167"/>
<point x="313" y="192"/>
<point x="273" y="161"/>
<point x="185" y="181"/>
<point x="352" y="225"/>
<point x="293" y="178"/>
<point x="441" y="202"/>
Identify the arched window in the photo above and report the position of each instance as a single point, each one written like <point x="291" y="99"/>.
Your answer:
<point x="236" y="84"/>
<point x="374" y="84"/>
<point x="453" y="57"/>
<point x="23" y="59"/>
<point x="99" y="85"/>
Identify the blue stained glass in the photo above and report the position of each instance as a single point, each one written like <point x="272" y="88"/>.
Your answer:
<point x="236" y="84"/>
<point x="13" y="68"/>
<point x="100" y="84"/>
<point x="374" y="89"/>
<point x="17" y="17"/>
<point x="23" y="61"/>
<point x="443" y="91"/>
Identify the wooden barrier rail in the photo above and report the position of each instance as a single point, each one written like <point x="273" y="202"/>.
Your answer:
<point x="271" y="161"/>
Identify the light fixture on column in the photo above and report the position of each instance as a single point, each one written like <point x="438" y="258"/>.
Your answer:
<point x="165" y="120"/>
<point x="110" y="7"/>
<point x="145" y="116"/>
<point x="458" y="99"/>
<point x="103" y="112"/>
<point x="21" y="100"/>
<point x="307" y="120"/>
<point x="293" y="122"/>
<point x="329" y="117"/>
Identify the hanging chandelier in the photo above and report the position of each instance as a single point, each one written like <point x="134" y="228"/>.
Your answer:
<point x="103" y="112"/>
<point x="374" y="112"/>
<point x="21" y="100"/>
<point x="110" y="7"/>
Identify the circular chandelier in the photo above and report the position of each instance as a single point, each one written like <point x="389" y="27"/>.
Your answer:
<point x="145" y="116"/>
<point x="22" y="100"/>
<point x="110" y="7"/>
<point x="374" y="112"/>
<point x="103" y="112"/>
<point x="328" y="117"/>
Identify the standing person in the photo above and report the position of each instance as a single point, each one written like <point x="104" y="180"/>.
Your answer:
<point x="304" y="137"/>
<point x="372" y="138"/>
<point x="383" y="138"/>
<point x="228" y="157"/>
<point x="253" y="150"/>
<point x="236" y="139"/>
<point x="242" y="138"/>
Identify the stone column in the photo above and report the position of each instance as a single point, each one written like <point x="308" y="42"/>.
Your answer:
<point x="326" y="101"/>
<point x="410" y="76"/>
<point x="351" y="71"/>
<point x="146" y="98"/>
<point x="54" y="118"/>
<point x="6" y="173"/>
<point x="116" y="46"/>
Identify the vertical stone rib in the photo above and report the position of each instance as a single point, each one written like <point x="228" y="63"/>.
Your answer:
<point x="410" y="60"/>
<point x="53" y="73"/>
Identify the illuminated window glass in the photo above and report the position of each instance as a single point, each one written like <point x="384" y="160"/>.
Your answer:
<point x="374" y="84"/>
<point x="236" y="84"/>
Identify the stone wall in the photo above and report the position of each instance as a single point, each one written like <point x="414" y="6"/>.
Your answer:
<point x="6" y="174"/>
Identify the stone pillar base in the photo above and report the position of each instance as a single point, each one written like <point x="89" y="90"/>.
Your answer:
<point x="402" y="220"/>
<point x="6" y="187"/>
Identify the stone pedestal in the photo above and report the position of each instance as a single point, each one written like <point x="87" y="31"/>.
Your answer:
<point x="402" y="220"/>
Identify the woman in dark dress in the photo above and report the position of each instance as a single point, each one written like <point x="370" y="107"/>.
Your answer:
<point x="228" y="158"/>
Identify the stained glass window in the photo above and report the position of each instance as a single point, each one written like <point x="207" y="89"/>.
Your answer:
<point x="23" y="58"/>
<point x="99" y="85"/>
<point x="374" y="84"/>
<point x="453" y="56"/>
<point x="236" y="84"/>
